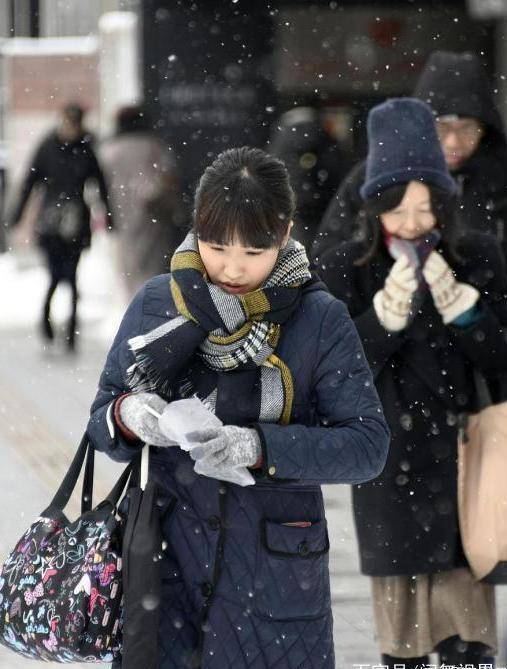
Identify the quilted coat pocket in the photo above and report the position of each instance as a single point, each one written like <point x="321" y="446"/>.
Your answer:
<point x="292" y="579"/>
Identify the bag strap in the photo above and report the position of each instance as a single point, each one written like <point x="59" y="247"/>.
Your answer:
<point x="114" y="496"/>
<point x="64" y="492"/>
<point x="483" y="393"/>
<point x="87" y="491"/>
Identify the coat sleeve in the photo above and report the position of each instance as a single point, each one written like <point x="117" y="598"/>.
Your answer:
<point x="484" y="342"/>
<point x="351" y="442"/>
<point x="34" y="175"/>
<point x="97" y="175"/>
<point x="339" y="221"/>
<point x="102" y="429"/>
<point x="337" y="270"/>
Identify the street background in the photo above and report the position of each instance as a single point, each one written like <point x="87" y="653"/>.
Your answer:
<point x="342" y="57"/>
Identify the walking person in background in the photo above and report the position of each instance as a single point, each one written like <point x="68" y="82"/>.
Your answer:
<point x="145" y="198"/>
<point x="316" y="166"/>
<point x="472" y="136"/>
<point x="62" y="165"/>
<point x="242" y="324"/>
<point x="430" y="307"/>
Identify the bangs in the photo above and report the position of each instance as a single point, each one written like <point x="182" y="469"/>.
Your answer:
<point x="249" y="221"/>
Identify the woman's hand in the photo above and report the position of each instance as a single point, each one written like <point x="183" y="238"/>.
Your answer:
<point x="392" y="304"/>
<point x="226" y="446"/>
<point x="134" y="413"/>
<point x="451" y="297"/>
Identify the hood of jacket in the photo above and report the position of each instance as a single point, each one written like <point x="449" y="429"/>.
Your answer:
<point x="457" y="83"/>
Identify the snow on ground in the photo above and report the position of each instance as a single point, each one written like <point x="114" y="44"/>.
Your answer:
<point x="24" y="281"/>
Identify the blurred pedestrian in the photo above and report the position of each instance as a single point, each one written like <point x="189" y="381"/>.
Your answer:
<point x="316" y="166"/>
<point x="145" y="198"/>
<point x="236" y="324"/>
<point x="62" y="165"/>
<point x="430" y="308"/>
<point x="473" y="139"/>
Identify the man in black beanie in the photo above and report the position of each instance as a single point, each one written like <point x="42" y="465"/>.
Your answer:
<point x="474" y="143"/>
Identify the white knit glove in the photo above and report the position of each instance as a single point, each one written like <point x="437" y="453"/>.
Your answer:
<point x="138" y="419"/>
<point x="226" y="446"/>
<point x="392" y="304"/>
<point x="451" y="297"/>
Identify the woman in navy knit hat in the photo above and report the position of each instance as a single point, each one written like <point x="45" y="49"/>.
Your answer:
<point x="429" y="306"/>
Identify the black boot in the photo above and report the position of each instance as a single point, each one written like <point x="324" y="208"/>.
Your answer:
<point x="407" y="662"/>
<point x="46" y="329"/>
<point x="72" y="324"/>
<point x="71" y="335"/>
<point x="456" y="652"/>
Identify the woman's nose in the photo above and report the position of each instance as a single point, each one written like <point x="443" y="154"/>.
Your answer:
<point x="233" y="272"/>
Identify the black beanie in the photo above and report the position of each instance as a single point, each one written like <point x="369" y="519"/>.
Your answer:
<point x="457" y="84"/>
<point x="403" y="146"/>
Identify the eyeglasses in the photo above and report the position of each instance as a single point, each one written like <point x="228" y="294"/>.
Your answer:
<point x="466" y="132"/>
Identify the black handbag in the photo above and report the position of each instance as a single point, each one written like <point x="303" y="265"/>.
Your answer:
<point x="61" y="590"/>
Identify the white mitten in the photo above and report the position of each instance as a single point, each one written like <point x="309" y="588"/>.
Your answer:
<point x="451" y="297"/>
<point x="392" y="304"/>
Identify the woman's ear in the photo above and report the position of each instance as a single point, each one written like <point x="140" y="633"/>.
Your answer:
<point x="287" y="234"/>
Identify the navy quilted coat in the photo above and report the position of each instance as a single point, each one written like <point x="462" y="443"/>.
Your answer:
<point x="241" y="588"/>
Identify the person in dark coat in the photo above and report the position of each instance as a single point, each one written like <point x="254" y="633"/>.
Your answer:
<point x="243" y="325"/>
<point x="430" y="307"/>
<point x="63" y="163"/>
<point x="473" y="139"/>
<point x="316" y="166"/>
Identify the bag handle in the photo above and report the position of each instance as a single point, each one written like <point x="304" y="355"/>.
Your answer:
<point x="483" y="393"/>
<point x="87" y="491"/>
<point x="64" y="492"/>
<point x="114" y="496"/>
<point x="67" y="486"/>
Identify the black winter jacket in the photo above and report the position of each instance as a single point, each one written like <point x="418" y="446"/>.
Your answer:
<point x="406" y="519"/>
<point x="62" y="169"/>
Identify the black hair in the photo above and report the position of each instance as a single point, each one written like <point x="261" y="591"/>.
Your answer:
<point x="443" y="206"/>
<point x="74" y="112"/>
<point x="244" y="195"/>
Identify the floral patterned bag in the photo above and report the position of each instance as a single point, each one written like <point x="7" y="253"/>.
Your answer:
<point x="61" y="588"/>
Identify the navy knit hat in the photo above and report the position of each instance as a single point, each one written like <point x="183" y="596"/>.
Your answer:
<point x="403" y="146"/>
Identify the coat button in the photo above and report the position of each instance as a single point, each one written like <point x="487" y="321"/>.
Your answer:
<point x="214" y="522"/>
<point x="272" y="471"/>
<point x="303" y="548"/>
<point x="206" y="589"/>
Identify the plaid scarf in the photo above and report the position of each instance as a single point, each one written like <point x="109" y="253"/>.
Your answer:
<point x="229" y="332"/>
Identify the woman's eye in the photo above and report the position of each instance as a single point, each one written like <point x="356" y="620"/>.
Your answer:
<point x="216" y="248"/>
<point x="253" y="253"/>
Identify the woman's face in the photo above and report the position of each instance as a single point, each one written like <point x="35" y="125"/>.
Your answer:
<point x="238" y="269"/>
<point x="413" y="217"/>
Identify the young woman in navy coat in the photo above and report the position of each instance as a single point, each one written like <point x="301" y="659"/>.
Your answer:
<point x="242" y="324"/>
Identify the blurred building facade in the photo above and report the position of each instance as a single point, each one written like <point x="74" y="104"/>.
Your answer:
<point x="220" y="74"/>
